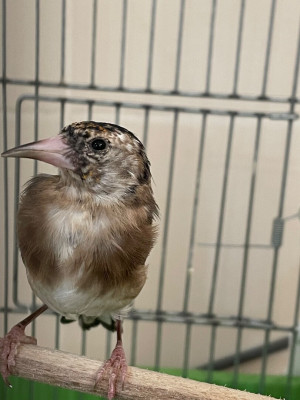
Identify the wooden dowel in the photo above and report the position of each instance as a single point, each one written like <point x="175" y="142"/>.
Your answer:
<point x="78" y="373"/>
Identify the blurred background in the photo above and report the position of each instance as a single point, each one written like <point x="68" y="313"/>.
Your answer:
<point x="212" y="89"/>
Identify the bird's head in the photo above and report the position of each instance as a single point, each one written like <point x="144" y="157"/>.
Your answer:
<point x="100" y="157"/>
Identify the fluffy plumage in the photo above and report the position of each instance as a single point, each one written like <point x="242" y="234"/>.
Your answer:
<point x="85" y="234"/>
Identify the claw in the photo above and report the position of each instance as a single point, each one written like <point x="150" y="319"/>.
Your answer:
<point x="8" y="350"/>
<point x="6" y="381"/>
<point x="114" y="366"/>
<point x="111" y="386"/>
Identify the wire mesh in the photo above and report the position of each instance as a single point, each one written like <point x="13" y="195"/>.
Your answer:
<point x="175" y="104"/>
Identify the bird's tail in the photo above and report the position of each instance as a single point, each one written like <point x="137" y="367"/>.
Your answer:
<point x="87" y="322"/>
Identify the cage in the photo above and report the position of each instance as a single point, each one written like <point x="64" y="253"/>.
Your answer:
<point x="211" y="88"/>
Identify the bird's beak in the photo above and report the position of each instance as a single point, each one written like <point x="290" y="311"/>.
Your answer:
<point x="52" y="151"/>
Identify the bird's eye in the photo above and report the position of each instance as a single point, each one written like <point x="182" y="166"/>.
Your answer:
<point x="98" y="144"/>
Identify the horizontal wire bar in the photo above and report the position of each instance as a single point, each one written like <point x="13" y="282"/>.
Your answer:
<point x="181" y="93"/>
<point x="192" y="319"/>
<point x="190" y="110"/>
<point x="204" y="319"/>
<point x="235" y="245"/>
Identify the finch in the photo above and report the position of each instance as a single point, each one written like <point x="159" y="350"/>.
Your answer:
<point x="85" y="234"/>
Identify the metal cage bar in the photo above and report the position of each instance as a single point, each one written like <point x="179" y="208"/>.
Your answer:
<point x="150" y="100"/>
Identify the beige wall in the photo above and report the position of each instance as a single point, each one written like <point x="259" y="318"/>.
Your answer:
<point x="20" y="65"/>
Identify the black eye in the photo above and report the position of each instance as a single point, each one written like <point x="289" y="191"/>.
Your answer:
<point x="98" y="144"/>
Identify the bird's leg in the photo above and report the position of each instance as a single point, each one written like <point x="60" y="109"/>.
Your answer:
<point x="116" y="365"/>
<point x="11" y="341"/>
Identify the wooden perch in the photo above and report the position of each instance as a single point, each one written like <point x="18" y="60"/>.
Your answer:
<point x="78" y="373"/>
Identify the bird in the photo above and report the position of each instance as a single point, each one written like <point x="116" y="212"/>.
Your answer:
<point x="85" y="234"/>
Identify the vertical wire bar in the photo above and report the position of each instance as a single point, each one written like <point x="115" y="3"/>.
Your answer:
<point x="32" y="308"/>
<point x="194" y="215"/>
<point x="37" y="71"/>
<point x="134" y="342"/>
<point x="90" y="110"/>
<point x="212" y="348"/>
<point x="295" y="336"/>
<point x="246" y="251"/>
<point x="158" y="346"/>
<point x="280" y="211"/>
<point x="57" y="345"/>
<point x="15" y="293"/>
<point x="94" y="35"/>
<point x="36" y="114"/>
<point x="108" y="344"/>
<point x="123" y="44"/>
<point x="221" y="217"/>
<point x="268" y="49"/>
<point x="63" y="42"/>
<point x="179" y="45"/>
<point x="16" y="195"/>
<point x="83" y="342"/>
<point x="151" y="46"/>
<point x="165" y="239"/>
<point x="57" y="317"/>
<point x="83" y="331"/>
<point x="17" y="163"/>
<point x="167" y="213"/>
<point x="192" y="244"/>
<point x="5" y="169"/>
<point x="57" y="331"/>
<point x="238" y="48"/>
<point x="185" y="366"/>
<point x="249" y="217"/>
<point x="62" y="114"/>
<point x="297" y="307"/>
<point x="135" y="322"/>
<point x="108" y="334"/>
<point x="117" y="117"/>
<point x="268" y="330"/>
<point x="146" y="127"/>
<point x="210" y="46"/>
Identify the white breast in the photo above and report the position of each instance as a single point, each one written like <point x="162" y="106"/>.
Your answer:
<point x="67" y="230"/>
<point x="67" y="300"/>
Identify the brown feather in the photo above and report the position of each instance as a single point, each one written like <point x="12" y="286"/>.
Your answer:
<point x="80" y="246"/>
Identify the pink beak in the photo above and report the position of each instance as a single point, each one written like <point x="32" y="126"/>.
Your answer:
<point x="52" y="151"/>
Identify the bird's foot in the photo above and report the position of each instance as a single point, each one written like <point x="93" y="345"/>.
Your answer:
<point x="115" y="366"/>
<point x="8" y="349"/>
